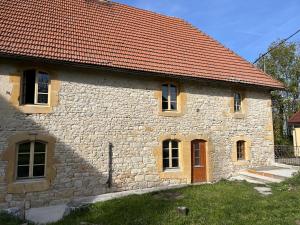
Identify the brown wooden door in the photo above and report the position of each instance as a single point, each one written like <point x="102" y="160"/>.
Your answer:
<point x="198" y="161"/>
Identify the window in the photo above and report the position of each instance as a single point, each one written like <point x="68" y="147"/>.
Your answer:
<point x="169" y="97"/>
<point x="237" y="102"/>
<point x="240" y="147"/>
<point x="170" y="154"/>
<point x="35" y="87"/>
<point x="31" y="160"/>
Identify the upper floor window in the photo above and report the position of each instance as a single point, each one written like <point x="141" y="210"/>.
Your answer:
<point x="31" y="159"/>
<point x="169" y="97"/>
<point x="170" y="154"/>
<point x="237" y="102"/>
<point x="35" y="87"/>
<point x="241" y="152"/>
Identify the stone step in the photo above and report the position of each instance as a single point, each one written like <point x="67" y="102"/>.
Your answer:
<point x="267" y="174"/>
<point x="264" y="179"/>
<point x="248" y="179"/>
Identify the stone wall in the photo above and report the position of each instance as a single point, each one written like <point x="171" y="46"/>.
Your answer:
<point x="95" y="108"/>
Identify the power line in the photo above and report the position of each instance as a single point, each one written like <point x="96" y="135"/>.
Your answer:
<point x="280" y="43"/>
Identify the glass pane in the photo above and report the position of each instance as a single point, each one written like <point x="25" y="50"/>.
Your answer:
<point x="174" y="144"/>
<point x="24" y="147"/>
<point x="175" y="152"/>
<point x="43" y="82"/>
<point x="174" y="105"/>
<point x="39" y="147"/>
<point x="23" y="159"/>
<point x="38" y="171"/>
<point x="166" y="163"/>
<point x="166" y="153"/>
<point x="39" y="158"/>
<point x="23" y="171"/>
<point x="197" y="153"/>
<point x="164" y="92"/>
<point x="197" y="162"/>
<point x="173" y="91"/>
<point x="196" y="146"/>
<point x="174" y="162"/>
<point x="166" y="144"/>
<point x="237" y="102"/>
<point x="42" y="98"/>
<point x="165" y="105"/>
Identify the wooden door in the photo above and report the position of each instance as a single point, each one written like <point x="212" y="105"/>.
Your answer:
<point x="198" y="161"/>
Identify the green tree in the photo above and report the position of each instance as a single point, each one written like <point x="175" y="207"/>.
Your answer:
<point x="283" y="63"/>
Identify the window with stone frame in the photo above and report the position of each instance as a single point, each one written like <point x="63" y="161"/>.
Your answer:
<point x="169" y="97"/>
<point x="241" y="151"/>
<point x="171" y="154"/>
<point x="237" y="102"/>
<point x="35" y="87"/>
<point x="31" y="159"/>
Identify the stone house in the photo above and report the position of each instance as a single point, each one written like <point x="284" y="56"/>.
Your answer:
<point x="97" y="97"/>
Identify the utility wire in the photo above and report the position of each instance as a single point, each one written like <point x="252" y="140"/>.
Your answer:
<point x="280" y="43"/>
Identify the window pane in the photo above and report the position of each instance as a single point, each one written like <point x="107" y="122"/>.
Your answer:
<point x="23" y="159"/>
<point x="166" y="163"/>
<point x="39" y="147"/>
<point x="174" y="144"/>
<point x="39" y="158"/>
<point x="175" y="152"/>
<point x="165" y="105"/>
<point x="166" y="153"/>
<point x="166" y="144"/>
<point x="23" y="171"/>
<point x="24" y="147"/>
<point x="43" y="82"/>
<point x="165" y="92"/>
<point x="173" y="92"/>
<point x="175" y="162"/>
<point x="38" y="171"/>
<point x="42" y="98"/>
<point x="197" y="162"/>
<point x="173" y="105"/>
<point x="197" y="153"/>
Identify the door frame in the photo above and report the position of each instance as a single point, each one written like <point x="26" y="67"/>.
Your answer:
<point x="207" y="162"/>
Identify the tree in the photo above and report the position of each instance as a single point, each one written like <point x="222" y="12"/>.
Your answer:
<point x="283" y="63"/>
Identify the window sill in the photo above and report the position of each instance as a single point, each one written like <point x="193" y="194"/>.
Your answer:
<point x="175" y="170"/>
<point x="30" y="185"/>
<point x="170" y="113"/>
<point x="35" y="109"/>
<point x="239" y="115"/>
<point x="242" y="162"/>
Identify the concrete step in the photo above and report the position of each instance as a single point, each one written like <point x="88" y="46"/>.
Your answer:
<point x="261" y="178"/>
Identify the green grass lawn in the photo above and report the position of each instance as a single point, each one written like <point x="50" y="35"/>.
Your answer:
<point x="223" y="203"/>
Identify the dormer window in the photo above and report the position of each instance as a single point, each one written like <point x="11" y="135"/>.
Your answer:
<point x="169" y="97"/>
<point x="35" y="87"/>
<point x="237" y="102"/>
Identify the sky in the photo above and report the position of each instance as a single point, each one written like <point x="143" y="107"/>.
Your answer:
<point x="247" y="27"/>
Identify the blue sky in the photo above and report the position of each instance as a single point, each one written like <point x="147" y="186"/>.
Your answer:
<point x="245" y="26"/>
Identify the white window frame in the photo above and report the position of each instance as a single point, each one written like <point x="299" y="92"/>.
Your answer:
<point x="36" y="85"/>
<point x="31" y="161"/>
<point x="36" y="88"/>
<point x="169" y="97"/>
<point x="171" y="155"/>
<point x="237" y="106"/>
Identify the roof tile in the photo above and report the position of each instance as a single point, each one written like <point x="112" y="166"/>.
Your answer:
<point x="117" y="35"/>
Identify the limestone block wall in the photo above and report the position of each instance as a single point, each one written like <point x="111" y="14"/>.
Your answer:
<point x="97" y="108"/>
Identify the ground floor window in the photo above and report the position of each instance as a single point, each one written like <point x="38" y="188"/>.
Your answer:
<point x="31" y="159"/>
<point x="170" y="154"/>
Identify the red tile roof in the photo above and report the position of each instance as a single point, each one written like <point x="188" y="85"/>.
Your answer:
<point x="119" y="36"/>
<point x="295" y="119"/>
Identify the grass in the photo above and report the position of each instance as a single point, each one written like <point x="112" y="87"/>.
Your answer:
<point x="223" y="203"/>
